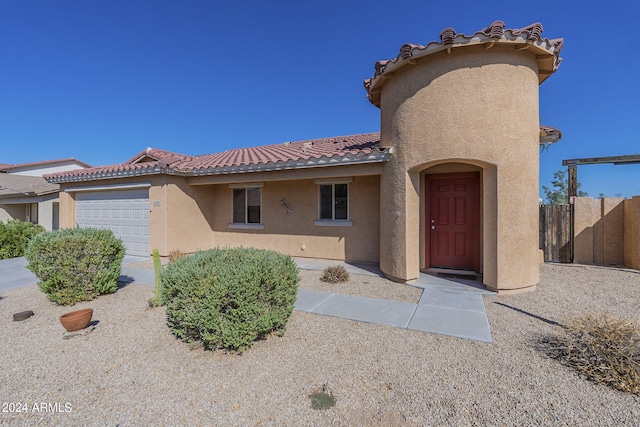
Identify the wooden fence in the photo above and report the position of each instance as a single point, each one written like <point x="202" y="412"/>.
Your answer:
<point x="556" y="232"/>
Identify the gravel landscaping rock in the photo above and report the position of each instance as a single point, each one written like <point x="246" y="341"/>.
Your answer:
<point x="131" y="371"/>
<point x="362" y="286"/>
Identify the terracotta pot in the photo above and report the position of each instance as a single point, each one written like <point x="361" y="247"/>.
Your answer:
<point x="76" y="320"/>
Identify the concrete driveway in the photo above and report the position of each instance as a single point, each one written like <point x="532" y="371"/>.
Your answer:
<point x="14" y="274"/>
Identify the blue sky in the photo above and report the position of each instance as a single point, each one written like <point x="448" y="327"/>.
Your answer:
<point x="102" y="80"/>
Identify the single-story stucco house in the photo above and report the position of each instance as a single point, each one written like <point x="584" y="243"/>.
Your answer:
<point x="450" y="181"/>
<point x="26" y="196"/>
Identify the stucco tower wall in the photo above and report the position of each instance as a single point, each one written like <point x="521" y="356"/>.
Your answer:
<point x="632" y="232"/>
<point x="477" y="106"/>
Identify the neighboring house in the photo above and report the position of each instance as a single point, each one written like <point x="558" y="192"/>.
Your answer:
<point x="451" y="181"/>
<point x="26" y="196"/>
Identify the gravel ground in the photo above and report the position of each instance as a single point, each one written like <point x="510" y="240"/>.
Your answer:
<point x="131" y="371"/>
<point x="362" y="286"/>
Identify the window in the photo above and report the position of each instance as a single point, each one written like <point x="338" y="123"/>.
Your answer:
<point x="333" y="202"/>
<point x="247" y="205"/>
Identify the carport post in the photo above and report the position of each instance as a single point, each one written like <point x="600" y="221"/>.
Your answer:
<point x="573" y="180"/>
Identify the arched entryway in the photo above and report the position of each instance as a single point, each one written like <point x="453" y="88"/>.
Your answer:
<point x="452" y="215"/>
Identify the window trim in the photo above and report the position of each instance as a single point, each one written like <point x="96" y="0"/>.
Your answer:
<point x="327" y="181"/>
<point x="333" y="223"/>
<point x="246" y="225"/>
<point x="247" y="185"/>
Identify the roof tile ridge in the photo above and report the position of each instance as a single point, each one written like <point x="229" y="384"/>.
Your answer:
<point x="495" y="30"/>
<point x="449" y="37"/>
<point x="534" y="31"/>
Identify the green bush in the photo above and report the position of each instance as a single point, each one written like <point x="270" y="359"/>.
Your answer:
<point x="76" y="264"/>
<point x="15" y="236"/>
<point x="229" y="298"/>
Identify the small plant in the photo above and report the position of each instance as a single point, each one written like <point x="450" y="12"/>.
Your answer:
<point x="322" y="399"/>
<point x="175" y="254"/>
<point x="156" y="301"/>
<point x="76" y="264"/>
<point x="229" y="298"/>
<point x="335" y="274"/>
<point x="15" y="236"/>
<point x="603" y="348"/>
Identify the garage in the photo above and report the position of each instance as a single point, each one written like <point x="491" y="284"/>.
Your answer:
<point x="125" y="212"/>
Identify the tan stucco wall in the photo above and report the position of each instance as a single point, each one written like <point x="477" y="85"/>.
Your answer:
<point x="192" y="217"/>
<point x="599" y="231"/>
<point x="180" y="214"/>
<point x="632" y="232"/>
<point x="613" y="239"/>
<point x="295" y="233"/>
<point x="586" y="215"/>
<point x="184" y="218"/>
<point x="9" y="212"/>
<point x="45" y="212"/>
<point x="473" y="106"/>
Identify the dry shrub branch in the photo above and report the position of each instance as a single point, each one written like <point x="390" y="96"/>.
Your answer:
<point x="603" y="348"/>
<point x="335" y="274"/>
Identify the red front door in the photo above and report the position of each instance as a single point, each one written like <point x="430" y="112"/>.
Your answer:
<point x="452" y="223"/>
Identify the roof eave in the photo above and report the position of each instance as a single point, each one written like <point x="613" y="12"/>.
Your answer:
<point x="546" y="51"/>
<point x="549" y="135"/>
<point x="107" y="175"/>
<point x="347" y="159"/>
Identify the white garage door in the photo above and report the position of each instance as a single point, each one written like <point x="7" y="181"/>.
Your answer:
<point x="125" y="212"/>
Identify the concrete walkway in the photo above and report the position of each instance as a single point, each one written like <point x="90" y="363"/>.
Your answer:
<point x="447" y="307"/>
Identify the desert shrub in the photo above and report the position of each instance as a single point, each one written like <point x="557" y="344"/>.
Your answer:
<point x="335" y="274"/>
<point x="603" y="348"/>
<point x="76" y="264"/>
<point x="229" y="298"/>
<point x="156" y="301"/>
<point x="175" y="254"/>
<point x="15" y="236"/>
<point x="322" y="399"/>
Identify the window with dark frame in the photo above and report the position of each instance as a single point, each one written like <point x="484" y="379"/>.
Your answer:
<point x="334" y="202"/>
<point x="246" y="205"/>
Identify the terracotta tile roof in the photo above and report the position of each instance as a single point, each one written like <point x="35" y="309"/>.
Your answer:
<point x="150" y="161"/>
<point x="155" y="154"/>
<point x="530" y="37"/>
<point x="288" y="152"/>
<point x="549" y="134"/>
<point x="105" y="172"/>
<point x="18" y="186"/>
<point x="8" y="167"/>
<point x="348" y="149"/>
